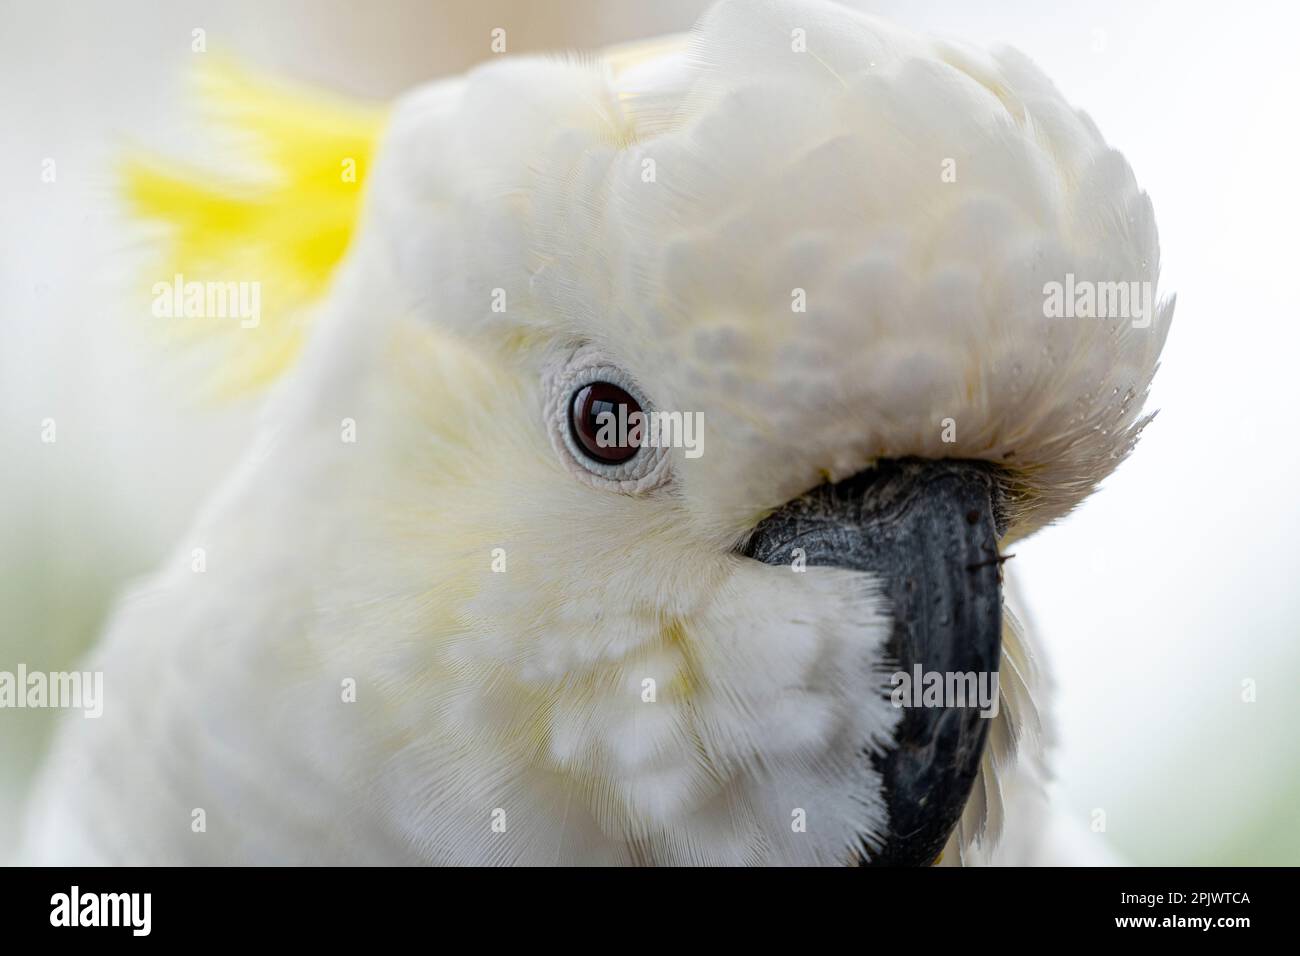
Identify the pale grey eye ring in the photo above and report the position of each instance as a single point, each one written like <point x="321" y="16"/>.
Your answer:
<point x="644" y="471"/>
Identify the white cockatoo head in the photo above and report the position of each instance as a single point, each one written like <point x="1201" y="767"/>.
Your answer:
<point x="831" y="239"/>
<point x="827" y="234"/>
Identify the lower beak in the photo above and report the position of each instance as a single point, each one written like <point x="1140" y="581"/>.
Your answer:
<point x="928" y="531"/>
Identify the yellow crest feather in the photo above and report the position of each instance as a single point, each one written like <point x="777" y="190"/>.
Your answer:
<point x="284" y="227"/>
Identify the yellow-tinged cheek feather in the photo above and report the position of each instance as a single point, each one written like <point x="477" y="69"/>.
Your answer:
<point x="284" y="229"/>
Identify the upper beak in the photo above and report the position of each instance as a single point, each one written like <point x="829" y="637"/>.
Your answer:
<point x="928" y="530"/>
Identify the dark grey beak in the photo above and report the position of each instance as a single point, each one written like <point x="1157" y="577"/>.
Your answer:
<point x="928" y="530"/>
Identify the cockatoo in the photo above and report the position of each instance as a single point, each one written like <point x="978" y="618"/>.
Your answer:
<point x="441" y="620"/>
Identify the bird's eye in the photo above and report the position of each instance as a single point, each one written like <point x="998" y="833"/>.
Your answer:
<point x="606" y="422"/>
<point x="599" y="421"/>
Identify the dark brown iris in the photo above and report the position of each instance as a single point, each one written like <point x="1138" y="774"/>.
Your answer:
<point x="601" y="418"/>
